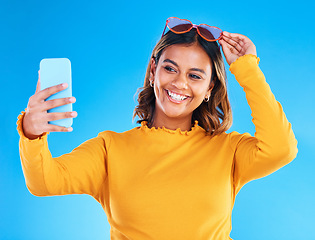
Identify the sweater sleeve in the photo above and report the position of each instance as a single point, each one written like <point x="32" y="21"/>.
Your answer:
<point x="80" y="172"/>
<point x="274" y="144"/>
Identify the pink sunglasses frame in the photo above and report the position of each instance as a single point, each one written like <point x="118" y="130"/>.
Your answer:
<point x="192" y="26"/>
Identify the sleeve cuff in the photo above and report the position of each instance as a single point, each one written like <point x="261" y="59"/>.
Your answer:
<point x="20" y="129"/>
<point x="246" y="70"/>
<point x="244" y="62"/>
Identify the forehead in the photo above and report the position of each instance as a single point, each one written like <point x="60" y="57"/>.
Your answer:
<point x="190" y="56"/>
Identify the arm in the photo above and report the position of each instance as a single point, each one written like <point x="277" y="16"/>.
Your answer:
<point x="81" y="171"/>
<point x="274" y="144"/>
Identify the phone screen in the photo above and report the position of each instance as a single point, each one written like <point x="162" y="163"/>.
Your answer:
<point x="54" y="71"/>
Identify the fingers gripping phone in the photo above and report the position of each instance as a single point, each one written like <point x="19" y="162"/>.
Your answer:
<point x="54" y="71"/>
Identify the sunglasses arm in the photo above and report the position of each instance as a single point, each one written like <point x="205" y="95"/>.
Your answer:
<point x="164" y="30"/>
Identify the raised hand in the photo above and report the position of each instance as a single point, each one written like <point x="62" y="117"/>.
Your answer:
<point x="235" y="45"/>
<point x="35" y="121"/>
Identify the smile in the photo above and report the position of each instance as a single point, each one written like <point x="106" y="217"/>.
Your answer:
<point x="175" y="96"/>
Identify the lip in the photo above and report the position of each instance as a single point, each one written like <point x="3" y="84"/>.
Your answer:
<point x="173" y="100"/>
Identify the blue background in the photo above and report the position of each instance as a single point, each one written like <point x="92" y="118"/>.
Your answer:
<point x="109" y="44"/>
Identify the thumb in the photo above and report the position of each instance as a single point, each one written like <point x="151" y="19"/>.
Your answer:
<point x="38" y="82"/>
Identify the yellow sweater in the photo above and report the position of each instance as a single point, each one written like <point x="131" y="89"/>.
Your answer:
<point x="163" y="184"/>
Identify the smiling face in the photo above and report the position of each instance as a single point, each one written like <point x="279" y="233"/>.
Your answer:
<point x="181" y="82"/>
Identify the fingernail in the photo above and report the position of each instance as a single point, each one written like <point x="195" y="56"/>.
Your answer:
<point x="70" y="129"/>
<point x="64" y="84"/>
<point x="73" y="114"/>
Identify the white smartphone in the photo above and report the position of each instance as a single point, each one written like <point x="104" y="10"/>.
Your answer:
<point x="54" y="71"/>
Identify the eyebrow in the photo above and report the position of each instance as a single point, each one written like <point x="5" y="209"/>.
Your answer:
<point x="192" y="69"/>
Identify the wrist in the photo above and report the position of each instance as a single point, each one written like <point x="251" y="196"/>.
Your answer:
<point x="22" y="129"/>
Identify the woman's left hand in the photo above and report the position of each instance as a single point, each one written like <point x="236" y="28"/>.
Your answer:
<point x="235" y="45"/>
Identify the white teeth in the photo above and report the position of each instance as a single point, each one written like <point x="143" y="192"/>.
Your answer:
<point x="176" y="96"/>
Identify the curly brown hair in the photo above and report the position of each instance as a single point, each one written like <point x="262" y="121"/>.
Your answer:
<point x="215" y="116"/>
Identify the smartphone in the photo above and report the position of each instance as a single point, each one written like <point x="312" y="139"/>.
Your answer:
<point x="54" y="71"/>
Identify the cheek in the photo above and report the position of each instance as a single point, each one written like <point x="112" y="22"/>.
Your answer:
<point x="161" y="81"/>
<point x="200" y="91"/>
<point x="163" y="78"/>
<point x="158" y="88"/>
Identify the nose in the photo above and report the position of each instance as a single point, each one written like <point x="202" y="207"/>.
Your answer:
<point x="180" y="82"/>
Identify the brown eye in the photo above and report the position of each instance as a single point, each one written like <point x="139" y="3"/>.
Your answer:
<point x="194" y="76"/>
<point x="169" y="69"/>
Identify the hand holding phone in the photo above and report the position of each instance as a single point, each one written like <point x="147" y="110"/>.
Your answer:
<point x="54" y="71"/>
<point x="45" y="106"/>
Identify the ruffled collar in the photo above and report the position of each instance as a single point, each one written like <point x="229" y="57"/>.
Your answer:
<point x="144" y="127"/>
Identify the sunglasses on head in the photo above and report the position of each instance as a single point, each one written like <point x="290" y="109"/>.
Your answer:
<point x="179" y="26"/>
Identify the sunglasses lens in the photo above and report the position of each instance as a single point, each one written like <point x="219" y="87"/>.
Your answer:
<point x="179" y="25"/>
<point x="210" y="33"/>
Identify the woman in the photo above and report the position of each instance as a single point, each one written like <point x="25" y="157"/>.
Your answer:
<point x="176" y="176"/>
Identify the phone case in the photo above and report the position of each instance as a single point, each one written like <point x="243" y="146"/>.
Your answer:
<point x="54" y="71"/>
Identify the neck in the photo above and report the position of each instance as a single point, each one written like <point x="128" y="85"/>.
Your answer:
<point x="172" y="123"/>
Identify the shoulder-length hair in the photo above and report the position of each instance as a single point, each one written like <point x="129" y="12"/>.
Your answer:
<point x="215" y="116"/>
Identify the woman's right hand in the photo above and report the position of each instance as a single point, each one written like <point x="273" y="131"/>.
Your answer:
<point x="35" y="122"/>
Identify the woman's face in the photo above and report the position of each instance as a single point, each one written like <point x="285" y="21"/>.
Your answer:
<point x="181" y="81"/>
